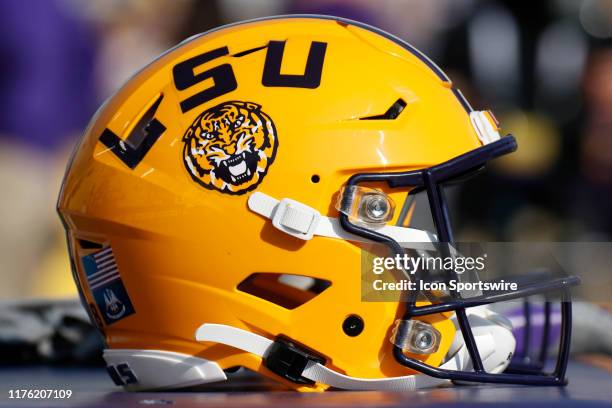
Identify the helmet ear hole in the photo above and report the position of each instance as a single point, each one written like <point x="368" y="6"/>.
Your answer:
<point x="315" y="178"/>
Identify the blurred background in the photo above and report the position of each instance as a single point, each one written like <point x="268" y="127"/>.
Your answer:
<point x="544" y="67"/>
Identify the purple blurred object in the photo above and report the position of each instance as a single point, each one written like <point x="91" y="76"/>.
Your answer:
<point x="46" y="79"/>
<point x="530" y="331"/>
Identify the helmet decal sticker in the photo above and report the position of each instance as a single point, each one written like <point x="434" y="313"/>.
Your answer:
<point x="229" y="147"/>
<point x="106" y="286"/>
<point x="115" y="309"/>
<point x="135" y="147"/>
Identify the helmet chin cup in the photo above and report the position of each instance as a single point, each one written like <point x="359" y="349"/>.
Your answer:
<point x="495" y="341"/>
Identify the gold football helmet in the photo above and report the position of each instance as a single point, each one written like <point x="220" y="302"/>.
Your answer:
<point x="219" y="203"/>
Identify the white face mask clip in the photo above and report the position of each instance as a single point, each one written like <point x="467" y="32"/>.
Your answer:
<point x="486" y="126"/>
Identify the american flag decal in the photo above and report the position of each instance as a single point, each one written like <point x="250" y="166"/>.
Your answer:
<point x="106" y="286"/>
<point x="106" y="269"/>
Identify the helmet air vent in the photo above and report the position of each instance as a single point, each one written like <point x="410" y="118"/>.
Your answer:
<point x="285" y="290"/>
<point x="392" y="113"/>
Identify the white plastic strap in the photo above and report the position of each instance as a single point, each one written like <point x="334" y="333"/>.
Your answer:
<point x="484" y="129"/>
<point x="258" y="345"/>
<point x="324" y="375"/>
<point x="302" y="221"/>
<point x="235" y="337"/>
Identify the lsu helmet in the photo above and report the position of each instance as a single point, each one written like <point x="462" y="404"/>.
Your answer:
<point x="218" y="205"/>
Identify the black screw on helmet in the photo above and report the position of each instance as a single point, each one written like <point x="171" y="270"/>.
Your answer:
<point x="353" y="325"/>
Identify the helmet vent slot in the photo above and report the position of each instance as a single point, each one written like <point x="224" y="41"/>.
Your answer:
<point x="392" y="113"/>
<point x="285" y="290"/>
<point x="85" y="244"/>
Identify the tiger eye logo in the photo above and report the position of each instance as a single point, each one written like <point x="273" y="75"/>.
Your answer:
<point x="229" y="147"/>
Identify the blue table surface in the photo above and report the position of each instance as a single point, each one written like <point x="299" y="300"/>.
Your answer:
<point x="91" y="387"/>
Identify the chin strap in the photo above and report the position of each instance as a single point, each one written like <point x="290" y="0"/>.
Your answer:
<point x="317" y="372"/>
<point x="304" y="222"/>
<point x="321" y="374"/>
<point x="492" y="332"/>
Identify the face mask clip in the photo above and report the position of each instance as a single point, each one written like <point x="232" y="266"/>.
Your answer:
<point x="367" y="207"/>
<point x="415" y="336"/>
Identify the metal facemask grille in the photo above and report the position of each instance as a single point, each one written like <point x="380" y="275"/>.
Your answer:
<point x="431" y="180"/>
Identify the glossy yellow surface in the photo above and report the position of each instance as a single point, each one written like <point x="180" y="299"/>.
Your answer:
<point x="182" y="249"/>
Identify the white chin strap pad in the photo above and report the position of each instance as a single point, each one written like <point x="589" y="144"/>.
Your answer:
<point x="487" y="332"/>
<point x="494" y="339"/>
<point x="304" y="222"/>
